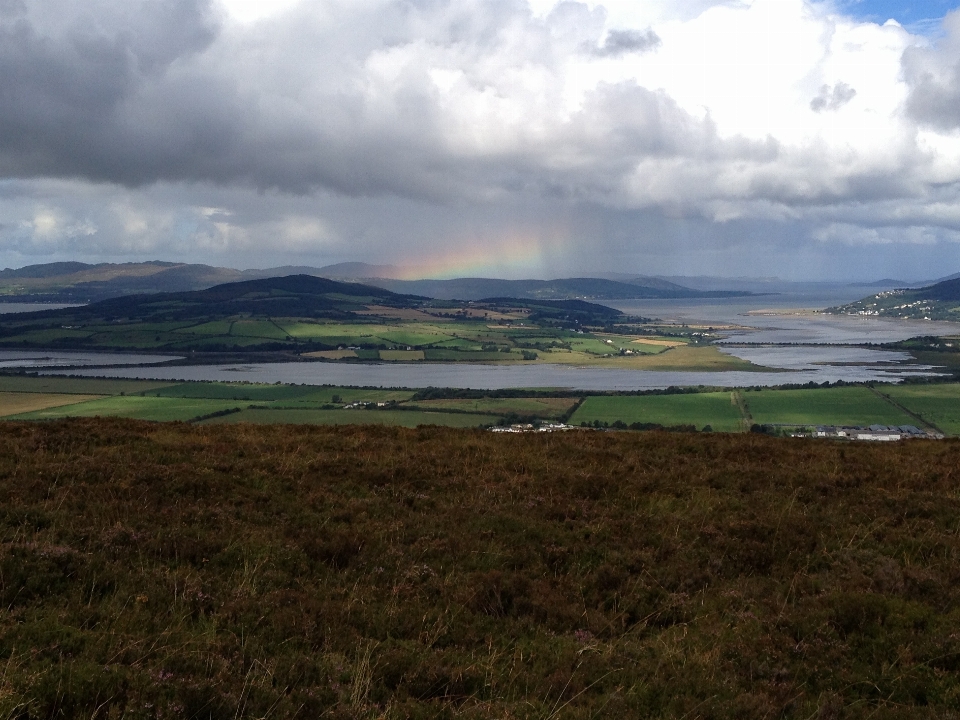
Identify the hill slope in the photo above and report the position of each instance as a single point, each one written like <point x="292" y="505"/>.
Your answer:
<point x="269" y="314"/>
<point x="74" y="282"/>
<point x="562" y="288"/>
<point x="161" y="570"/>
<point x="292" y="296"/>
<point x="940" y="301"/>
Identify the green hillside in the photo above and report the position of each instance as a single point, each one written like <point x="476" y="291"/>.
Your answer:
<point x="940" y="301"/>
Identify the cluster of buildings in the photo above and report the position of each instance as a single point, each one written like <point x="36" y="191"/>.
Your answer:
<point x="876" y="433"/>
<point x="528" y="428"/>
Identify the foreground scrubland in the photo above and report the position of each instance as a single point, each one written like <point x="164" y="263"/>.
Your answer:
<point x="169" y="570"/>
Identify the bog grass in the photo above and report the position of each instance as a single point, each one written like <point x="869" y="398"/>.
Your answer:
<point x="239" y="571"/>
<point x="937" y="404"/>
<point x="856" y="406"/>
<point x="715" y="409"/>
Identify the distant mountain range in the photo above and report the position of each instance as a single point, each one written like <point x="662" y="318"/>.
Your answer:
<point x="564" y="288"/>
<point x="75" y="282"/>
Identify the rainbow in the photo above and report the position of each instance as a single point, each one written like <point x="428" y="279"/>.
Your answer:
<point x="508" y="255"/>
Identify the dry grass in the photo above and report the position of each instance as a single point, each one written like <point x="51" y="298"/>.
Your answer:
<point x="13" y="403"/>
<point x="685" y="357"/>
<point x="331" y="354"/>
<point x="401" y="355"/>
<point x="662" y="343"/>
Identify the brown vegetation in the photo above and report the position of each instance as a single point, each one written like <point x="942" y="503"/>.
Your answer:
<point x="166" y="570"/>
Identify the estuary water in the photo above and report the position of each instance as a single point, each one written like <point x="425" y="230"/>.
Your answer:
<point x="491" y="377"/>
<point x="776" y="331"/>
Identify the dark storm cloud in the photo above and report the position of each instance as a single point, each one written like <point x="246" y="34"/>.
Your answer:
<point x="385" y="129"/>
<point x="123" y="92"/>
<point x="334" y="97"/>
<point x="933" y="75"/>
<point x="623" y="42"/>
<point x="69" y="70"/>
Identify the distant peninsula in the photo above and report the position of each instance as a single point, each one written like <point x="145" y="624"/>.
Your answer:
<point x="940" y="301"/>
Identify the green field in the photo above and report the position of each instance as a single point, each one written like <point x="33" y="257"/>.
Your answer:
<point x="80" y="386"/>
<point x="133" y="406"/>
<point x="271" y="393"/>
<point x="538" y="407"/>
<point x="259" y="329"/>
<point x="856" y="406"/>
<point x="936" y="404"/>
<point x="401" y="418"/>
<point x="401" y="355"/>
<point x="715" y="409"/>
<point x="185" y="401"/>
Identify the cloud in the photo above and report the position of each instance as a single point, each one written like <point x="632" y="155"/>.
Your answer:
<point x="378" y="126"/>
<point x="833" y="98"/>
<point x="624" y="42"/>
<point x="933" y="74"/>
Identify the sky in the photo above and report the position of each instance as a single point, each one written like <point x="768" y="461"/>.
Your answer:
<point x="513" y="138"/>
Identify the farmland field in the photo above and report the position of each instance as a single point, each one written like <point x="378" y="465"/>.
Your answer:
<point x="716" y="409"/>
<point x="232" y="391"/>
<point x="132" y="406"/>
<point x="539" y="407"/>
<point x="270" y="393"/>
<point x="686" y="357"/>
<point x="12" y="403"/>
<point x="856" y="406"/>
<point x="936" y="404"/>
<point x="401" y="355"/>
<point x="400" y="418"/>
<point x="332" y="354"/>
<point x="82" y="386"/>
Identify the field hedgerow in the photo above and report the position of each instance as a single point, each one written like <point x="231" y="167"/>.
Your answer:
<point x="168" y="570"/>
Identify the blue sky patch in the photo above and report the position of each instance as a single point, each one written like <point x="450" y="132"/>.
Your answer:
<point x="917" y="15"/>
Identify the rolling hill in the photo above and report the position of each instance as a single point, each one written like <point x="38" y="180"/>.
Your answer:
<point x="292" y="296"/>
<point x="295" y="313"/>
<point x="940" y="301"/>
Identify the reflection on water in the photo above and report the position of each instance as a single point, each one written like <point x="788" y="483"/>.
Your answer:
<point x="814" y="357"/>
<point x="786" y="327"/>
